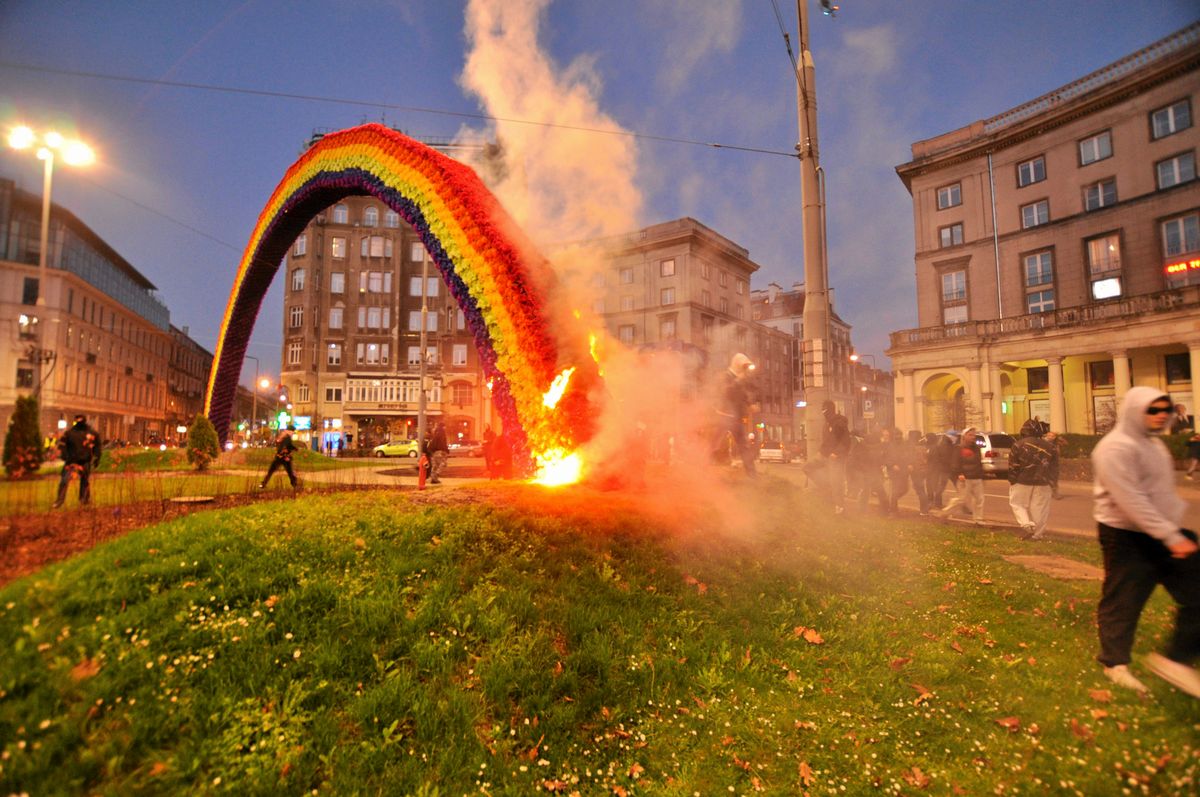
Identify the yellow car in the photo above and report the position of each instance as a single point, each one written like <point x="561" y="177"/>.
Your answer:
<point x="398" y="448"/>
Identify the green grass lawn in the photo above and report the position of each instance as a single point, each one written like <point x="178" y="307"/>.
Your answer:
<point x="571" y="641"/>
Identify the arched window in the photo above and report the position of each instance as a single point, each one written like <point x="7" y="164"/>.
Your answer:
<point x="371" y="217"/>
<point x="391" y="219"/>
<point x="341" y="214"/>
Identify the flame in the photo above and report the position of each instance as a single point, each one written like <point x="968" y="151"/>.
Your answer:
<point x="557" y="388"/>
<point x="593" y="349"/>
<point x="556" y="468"/>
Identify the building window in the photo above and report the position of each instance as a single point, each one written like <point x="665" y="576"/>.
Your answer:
<point x="1181" y="238"/>
<point x="1039" y="301"/>
<point x="391" y="218"/>
<point x="29" y="291"/>
<point x="460" y="394"/>
<point x="341" y="214"/>
<point x="706" y="298"/>
<point x="374" y="316"/>
<point x="414" y="321"/>
<point x="334" y="354"/>
<point x="1038" y="378"/>
<point x="1178" y="368"/>
<point x="294" y="350"/>
<point x="1104" y="266"/>
<point x="298" y="279"/>
<point x="666" y="328"/>
<point x="707" y="324"/>
<point x="741" y="287"/>
<point x="333" y="394"/>
<point x="1170" y="120"/>
<point x="949" y="196"/>
<point x="724" y="308"/>
<point x="303" y="394"/>
<point x="1176" y="170"/>
<point x="431" y="286"/>
<point x="460" y="319"/>
<point x="666" y="268"/>
<point x="1100" y="373"/>
<point x="458" y="354"/>
<point x="338" y="248"/>
<point x="24" y="376"/>
<point x="1095" y="148"/>
<point x="1101" y="194"/>
<point x="950" y="236"/>
<point x="296" y="317"/>
<point x="626" y="276"/>
<point x="301" y="247"/>
<point x="722" y="278"/>
<point x="954" y="297"/>
<point x="1031" y="171"/>
<point x="416" y="252"/>
<point x="626" y="304"/>
<point x="27" y="326"/>
<point x="371" y="217"/>
<point x="335" y="317"/>
<point x="666" y="296"/>
<point x="337" y="282"/>
<point x="1039" y="269"/>
<point x="705" y="270"/>
<point x="1035" y="213"/>
<point x="624" y="334"/>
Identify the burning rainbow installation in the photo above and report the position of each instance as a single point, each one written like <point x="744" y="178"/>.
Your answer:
<point x="533" y="354"/>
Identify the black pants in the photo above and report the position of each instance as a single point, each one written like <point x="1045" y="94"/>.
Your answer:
<point x="1134" y="564"/>
<point x="277" y="463"/>
<point x="83" y="471"/>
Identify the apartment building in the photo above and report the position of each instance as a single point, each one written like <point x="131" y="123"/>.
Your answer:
<point x="188" y="368"/>
<point x="99" y="343"/>
<point x="683" y="288"/>
<point x="354" y="285"/>
<point x="1058" y="253"/>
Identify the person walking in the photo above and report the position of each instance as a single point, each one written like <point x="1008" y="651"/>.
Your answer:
<point x="1032" y="474"/>
<point x="967" y="474"/>
<point x="866" y="461"/>
<point x="897" y="463"/>
<point x="918" y="451"/>
<point x="80" y="449"/>
<point x="437" y="449"/>
<point x="1138" y="511"/>
<point x="942" y="453"/>
<point x="283" y="457"/>
<point x="835" y="449"/>
<point x="735" y="411"/>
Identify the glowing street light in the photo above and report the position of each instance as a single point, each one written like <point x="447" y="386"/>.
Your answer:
<point x="73" y="153"/>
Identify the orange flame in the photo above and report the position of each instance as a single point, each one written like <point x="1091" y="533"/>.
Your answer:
<point x="557" y="388"/>
<point x="556" y="468"/>
<point x="593" y="349"/>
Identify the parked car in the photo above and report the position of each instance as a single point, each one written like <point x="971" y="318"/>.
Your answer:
<point x="993" y="450"/>
<point x="466" y="448"/>
<point x="397" y="448"/>
<point x="775" y="452"/>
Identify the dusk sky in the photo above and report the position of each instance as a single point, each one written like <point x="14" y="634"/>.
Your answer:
<point x="183" y="173"/>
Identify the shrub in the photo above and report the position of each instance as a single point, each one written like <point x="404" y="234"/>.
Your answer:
<point x="202" y="445"/>
<point x="23" y="451"/>
<point x="1079" y="446"/>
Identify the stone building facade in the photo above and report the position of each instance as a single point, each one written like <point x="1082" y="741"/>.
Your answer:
<point x="1058" y="253"/>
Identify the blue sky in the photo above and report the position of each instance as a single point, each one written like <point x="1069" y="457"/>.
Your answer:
<point x="184" y="173"/>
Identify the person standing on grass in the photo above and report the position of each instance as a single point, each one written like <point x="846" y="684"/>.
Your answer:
<point x="283" y="456"/>
<point x="1138" y="512"/>
<point x="835" y="450"/>
<point x="941" y="455"/>
<point x="80" y="449"/>
<point x="967" y="475"/>
<point x="437" y="449"/>
<point x="897" y="463"/>
<point x="735" y="412"/>
<point x="1032" y="474"/>
<point x="918" y="468"/>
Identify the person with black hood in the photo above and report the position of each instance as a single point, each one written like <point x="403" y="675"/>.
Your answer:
<point x="1138" y="512"/>
<point x="80" y="449"/>
<point x="283" y="456"/>
<point x="437" y="448"/>
<point x="835" y="449"/>
<point x="966" y="469"/>
<point x="1032" y="474"/>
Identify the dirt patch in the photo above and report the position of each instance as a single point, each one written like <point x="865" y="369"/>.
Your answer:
<point x="1058" y="567"/>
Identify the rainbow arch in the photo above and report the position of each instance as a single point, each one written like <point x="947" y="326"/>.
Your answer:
<point x="525" y="334"/>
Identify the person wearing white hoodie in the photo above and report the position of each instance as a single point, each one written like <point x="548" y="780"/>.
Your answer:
<point x="1138" y="512"/>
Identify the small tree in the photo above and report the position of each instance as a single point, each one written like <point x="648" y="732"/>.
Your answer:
<point x="202" y="445"/>
<point x="23" y="450"/>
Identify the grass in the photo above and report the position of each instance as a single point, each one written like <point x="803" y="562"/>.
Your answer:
<point x="570" y="642"/>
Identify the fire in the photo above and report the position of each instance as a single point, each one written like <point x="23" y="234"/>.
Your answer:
<point x="556" y="467"/>
<point x="557" y="388"/>
<point x="592" y="349"/>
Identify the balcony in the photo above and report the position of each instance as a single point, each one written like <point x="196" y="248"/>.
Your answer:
<point x="1068" y="318"/>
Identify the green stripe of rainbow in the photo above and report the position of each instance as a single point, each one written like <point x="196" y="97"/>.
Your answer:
<point x="503" y="286"/>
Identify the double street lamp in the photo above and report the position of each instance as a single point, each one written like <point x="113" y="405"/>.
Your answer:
<point x="49" y="145"/>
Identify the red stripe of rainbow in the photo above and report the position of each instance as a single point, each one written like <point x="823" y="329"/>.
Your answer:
<point x="502" y="285"/>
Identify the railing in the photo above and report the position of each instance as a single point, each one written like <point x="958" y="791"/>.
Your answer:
<point x="1177" y="41"/>
<point x="1066" y="318"/>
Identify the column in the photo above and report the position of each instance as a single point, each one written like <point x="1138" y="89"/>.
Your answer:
<point x="908" y="413"/>
<point x="1058" y="399"/>
<point x="1194" y="361"/>
<point x="995" y="387"/>
<point x="1121" y="379"/>
<point x="975" y="394"/>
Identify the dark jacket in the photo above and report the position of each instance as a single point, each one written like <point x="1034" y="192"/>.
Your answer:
<point x="1033" y="460"/>
<point x="437" y="441"/>
<point x="836" y="439"/>
<point x="284" y="446"/>
<point x="967" y="461"/>
<point x="80" y="445"/>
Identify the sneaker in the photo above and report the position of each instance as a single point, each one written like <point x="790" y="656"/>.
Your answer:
<point x="1121" y="676"/>
<point x="1027" y="533"/>
<point x="1176" y="673"/>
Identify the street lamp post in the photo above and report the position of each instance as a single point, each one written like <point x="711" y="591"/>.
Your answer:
<point x="74" y="153"/>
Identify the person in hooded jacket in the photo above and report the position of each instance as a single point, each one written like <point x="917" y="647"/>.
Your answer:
<point x="736" y="408"/>
<point x="835" y="452"/>
<point x="80" y="448"/>
<point x="1032" y="475"/>
<point x="897" y="465"/>
<point x="1138" y="512"/>
<point x="966" y="469"/>
<point x="918" y="467"/>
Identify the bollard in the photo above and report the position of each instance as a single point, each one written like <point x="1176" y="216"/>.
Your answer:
<point x="422" y="468"/>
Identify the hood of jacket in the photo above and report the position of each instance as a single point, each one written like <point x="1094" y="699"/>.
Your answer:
<point x="1131" y="418"/>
